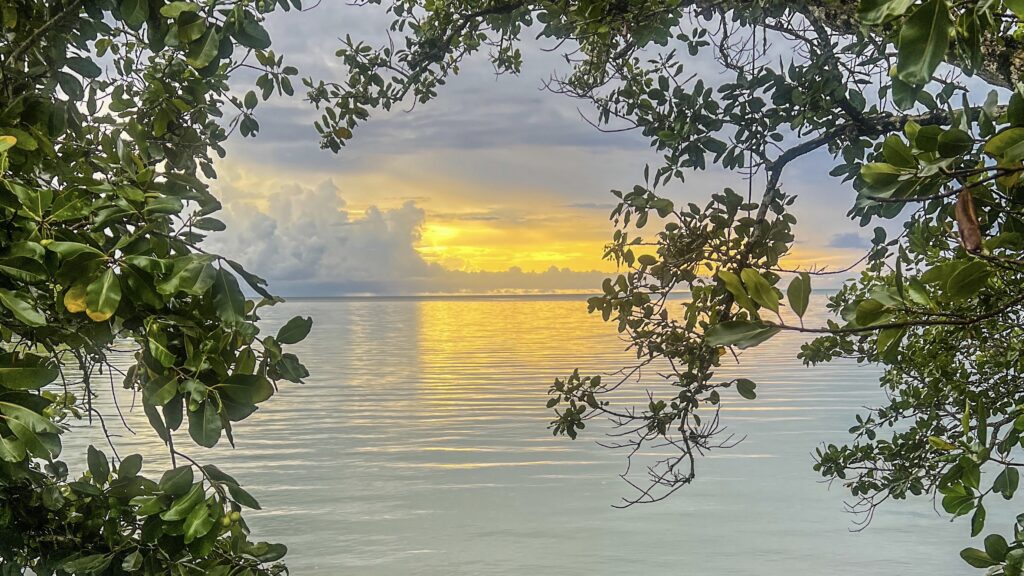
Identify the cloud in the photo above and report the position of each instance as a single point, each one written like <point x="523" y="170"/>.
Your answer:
<point x="306" y="242"/>
<point x="606" y="206"/>
<point x="848" y="240"/>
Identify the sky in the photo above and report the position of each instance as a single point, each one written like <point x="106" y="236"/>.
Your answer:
<point x="495" y="186"/>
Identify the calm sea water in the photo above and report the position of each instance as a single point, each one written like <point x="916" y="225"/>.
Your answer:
<point x="420" y="446"/>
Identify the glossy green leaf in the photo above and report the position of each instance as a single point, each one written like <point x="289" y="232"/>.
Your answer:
<point x="203" y="51"/>
<point x="874" y="12"/>
<point x="924" y="40"/>
<point x="739" y="333"/>
<point x="204" y="424"/>
<point x="161" y="390"/>
<point x="977" y="558"/>
<point x="978" y="521"/>
<point x="759" y="289"/>
<point x="12" y="449"/>
<point x="130" y="466"/>
<point x="968" y="280"/>
<point x="134" y="13"/>
<point x="799" y="293"/>
<point x="32" y="420"/>
<point x="954" y="142"/>
<point x="295" y="330"/>
<point x="183" y="505"/>
<point x="102" y="296"/>
<point x="22" y="309"/>
<point x="198" y="523"/>
<point x="228" y="298"/>
<point x="1006" y="482"/>
<point x="27" y="378"/>
<point x="996" y="547"/>
<point x="177" y="481"/>
<point x="1008" y="145"/>
<point x="735" y="287"/>
<point x="176" y="8"/>
<point x="98" y="465"/>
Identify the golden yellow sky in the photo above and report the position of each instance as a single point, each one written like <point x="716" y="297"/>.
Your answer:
<point x="469" y="229"/>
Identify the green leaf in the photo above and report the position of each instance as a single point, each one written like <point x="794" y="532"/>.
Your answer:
<point x="265" y="552"/>
<point x="203" y="51"/>
<point x="243" y="498"/>
<point x="183" y="505"/>
<point x="1007" y="146"/>
<point x="132" y="562"/>
<point x="888" y="343"/>
<point x="44" y="445"/>
<point x="191" y="27"/>
<point x="879" y="175"/>
<point x="32" y="420"/>
<point x="204" y="424"/>
<point x="870" y="312"/>
<point x="1016" y="6"/>
<point x="958" y="501"/>
<point x="978" y="521"/>
<point x="84" y="66"/>
<point x="295" y="330"/>
<point x="246" y="388"/>
<point x="873" y="12"/>
<point x="746" y="388"/>
<point x="98" y="465"/>
<point x="968" y="280"/>
<point x="799" y="293"/>
<point x="91" y="564"/>
<point x="252" y="35"/>
<point x="130" y="466"/>
<point x="735" y="287"/>
<point x="954" y="142"/>
<point x="27" y="378"/>
<point x="290" y="368"/>
<point x="102" y="296"/>
<point x="176" y="481"/>
<point x="255" y="282"/>
<point x="897" y="153"/>
<point x="940" y="444"/>
<point x="70" y="250"/>
<point x="918" y="293"/>
<point x="134" y="13"/>
<point x="22" y="309"/>
<point x="924" y="40"/>
<point x="228" y="298"/>
<point x="148" y="505"/>
<point x="12" y="449"/>
<point x="759" y="289"/>
<point x="1006" y="482"/>
<point x="174" y="9"/>
<point x="195" y="278"/>
<point x="198" y="523"/>
<point x="977" y="558"/>
<point x="161" y="390"/>
<point x="739" y="333"/>
<point x="996" y="547"/>
<point x="157" y="342"/>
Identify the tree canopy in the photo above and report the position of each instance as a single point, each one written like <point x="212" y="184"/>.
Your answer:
<point x="919" y="105"/>
<point x="113" y="111"/>
<point x="111" y="115"/>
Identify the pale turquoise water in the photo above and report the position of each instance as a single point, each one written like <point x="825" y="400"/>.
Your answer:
<point x="420" y="446"/>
